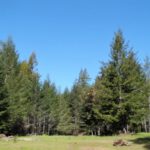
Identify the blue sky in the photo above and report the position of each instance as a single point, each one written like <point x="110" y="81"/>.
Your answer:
<point x="68" y="35"/>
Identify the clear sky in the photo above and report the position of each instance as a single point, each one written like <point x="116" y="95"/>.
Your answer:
<point x="68" y="35"/>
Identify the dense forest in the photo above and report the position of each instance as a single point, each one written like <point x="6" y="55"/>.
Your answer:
<point x="117" y="102"/>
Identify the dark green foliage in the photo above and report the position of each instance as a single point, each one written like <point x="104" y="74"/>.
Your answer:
<point x="117" y="101"/>
<point x="77" y="99"/>
<point x="120" y="89"/>
<point x="65" y="125"/>
<point x="49" y="108"/>
<point x="10" y="65"/>
<point x="90" y="124"/>
<point x="3" y="100"/>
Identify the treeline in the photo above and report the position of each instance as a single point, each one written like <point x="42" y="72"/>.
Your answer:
<point x="118" y="101"/>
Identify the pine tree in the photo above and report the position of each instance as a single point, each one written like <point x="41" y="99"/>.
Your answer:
<point x="10" y="65"/>
<point x="33" y="86"/>
<point x="77" y="99"/>
<point x="120" y="89"/>
<point x="65" y="125"/>
<point x="49" y="107"/>
<point x="3" y="101"/>
<point x="90" y="124"/>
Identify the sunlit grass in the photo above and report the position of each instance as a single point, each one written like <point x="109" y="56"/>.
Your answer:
<point x="75" y="143"/>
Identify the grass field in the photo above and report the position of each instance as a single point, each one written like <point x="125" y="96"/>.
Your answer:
<point x="138" y="142"/>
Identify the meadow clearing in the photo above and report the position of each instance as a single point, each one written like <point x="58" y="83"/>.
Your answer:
<point x="139" y="141"/>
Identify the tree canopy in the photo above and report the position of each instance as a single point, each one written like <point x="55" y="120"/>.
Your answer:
<point x="118" y="100"/>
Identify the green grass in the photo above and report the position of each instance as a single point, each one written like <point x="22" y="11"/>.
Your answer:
<point x="139" y="142"/>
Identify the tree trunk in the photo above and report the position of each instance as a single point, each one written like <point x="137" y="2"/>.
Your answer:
<point x="48" y="130"/>
<point x="99" y="131"/>
<point x="43" y="126"/>
<point x="34" y="127"/>
<point x="127" y="128"/>
<point x="124" y="131"/>
<point x="149" y="123"/>
<point x="92" y="132"/>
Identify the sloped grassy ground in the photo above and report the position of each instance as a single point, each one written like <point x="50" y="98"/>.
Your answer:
<point x="138" y="142"/>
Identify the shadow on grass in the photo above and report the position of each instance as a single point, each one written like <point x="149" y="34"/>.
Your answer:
<point x="144" y="141"/>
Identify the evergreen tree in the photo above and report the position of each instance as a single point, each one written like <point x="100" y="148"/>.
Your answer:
<point x="77" y="99"/>
<point x="33" y="86"/>
<point x="120" y="89"/>
<point x="118" y="101"/>
<point x="9" y="58"/>
<point x="49" y="107"/>
<point x="90" y="124"/>
<point x="65" y="125"/>
<point x="3" y="101"/>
